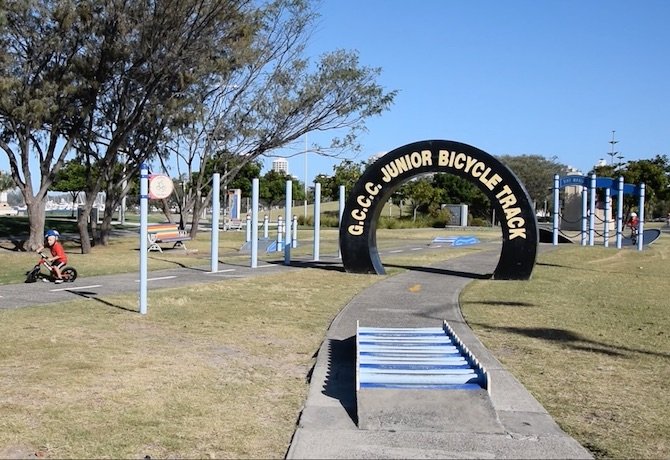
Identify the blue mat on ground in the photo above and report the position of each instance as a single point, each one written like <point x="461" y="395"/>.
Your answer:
<point x="264" y="244"/>
<point x="455" y="240"/>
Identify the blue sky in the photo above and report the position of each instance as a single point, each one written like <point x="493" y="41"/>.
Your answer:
<point x="547" y="77"/>
<point x="550" y="77"/>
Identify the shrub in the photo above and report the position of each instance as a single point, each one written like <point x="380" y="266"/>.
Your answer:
<point x="479" y="222"/>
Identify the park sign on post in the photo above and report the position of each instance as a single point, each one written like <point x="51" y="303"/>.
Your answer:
<point x="152" y="187"/>
<point x="160" y="186"/>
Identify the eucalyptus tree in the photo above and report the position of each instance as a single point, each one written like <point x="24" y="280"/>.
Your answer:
<point x="536" y="173"/>
<point x="105" y="79"/>
<point x="117" y="83"/>
<point x="40" y="99"/>
<point x="272" y="97"/>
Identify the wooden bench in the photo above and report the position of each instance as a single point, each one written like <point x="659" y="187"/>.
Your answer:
<point x="233" y="224"/>
<point x="166" y="233"/>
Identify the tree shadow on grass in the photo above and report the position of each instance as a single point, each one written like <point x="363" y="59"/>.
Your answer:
<point x="17" y="245"/>
<point x="545" y="264"/>
<point x="573" y="340"/>
<point x="505" y="303"/>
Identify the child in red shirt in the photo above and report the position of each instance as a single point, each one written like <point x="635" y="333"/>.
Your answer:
<point x="633" y="223"/>
<point x="58" y="257"/>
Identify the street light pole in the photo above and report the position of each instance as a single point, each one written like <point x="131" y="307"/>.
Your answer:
<point x="612" y="153"/>
<point x="620" y="162"/>
<point x="305" y="179"/>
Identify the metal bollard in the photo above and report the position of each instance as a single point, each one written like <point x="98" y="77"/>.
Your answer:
<point x="280" y="234"/>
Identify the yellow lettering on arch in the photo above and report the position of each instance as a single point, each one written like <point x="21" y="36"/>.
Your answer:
<point x="517" y="233"/>
<point x="511" y="212"/>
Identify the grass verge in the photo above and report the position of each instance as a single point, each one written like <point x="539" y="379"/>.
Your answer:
<point x="588" y="337"/>
<point x="220" y="370"/>
<point x="217" y="371"/>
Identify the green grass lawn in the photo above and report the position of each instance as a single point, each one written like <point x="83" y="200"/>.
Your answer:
<point x="221" y="370"/>
<point x="589" y="337"/>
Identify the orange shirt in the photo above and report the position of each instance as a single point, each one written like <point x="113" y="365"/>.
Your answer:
<point x="58" y="251"/>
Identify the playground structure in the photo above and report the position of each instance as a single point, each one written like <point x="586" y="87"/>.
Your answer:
<point x="275" y="244"/>
<point x="583" y="190"/>
<point x="286" y="227"/>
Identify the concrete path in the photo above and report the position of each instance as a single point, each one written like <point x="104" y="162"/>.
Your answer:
<point x="92" y="287"/>
<point x="509" y="424"/>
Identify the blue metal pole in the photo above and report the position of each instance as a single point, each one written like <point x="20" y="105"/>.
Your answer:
<point x="585" y="213"/>
<point x="339" y="223"/>
<point x="619" y="214"/>
<point x="606" y="231"/>
<point x="556" y="216"/>
<point x="254" y="222"/>
<point x="317" y="219"/>
<point x="144" y="242"/>
<point x="280" y="234"/>
<point x="640" y="227"/>
<point x="214" y="252"/>
<point x="592" y="208"/>
<point x="287" y="222"/>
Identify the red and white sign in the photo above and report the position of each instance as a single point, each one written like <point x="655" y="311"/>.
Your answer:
<point x="160" y="187"/>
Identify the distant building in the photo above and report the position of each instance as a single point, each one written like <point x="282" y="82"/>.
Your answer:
<point x="375" y="157"/>
<point x="280" y="165"/>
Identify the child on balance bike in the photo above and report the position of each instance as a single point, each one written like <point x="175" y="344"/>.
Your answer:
<point x="58" y="258"/>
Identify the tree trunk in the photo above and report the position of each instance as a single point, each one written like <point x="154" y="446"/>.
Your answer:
<point x="108" y="215"/>
<point x="165" y="207"/>
<point x="195" y="219"/>
<point x="82" y="225"/>
<point x="105" y="228"/>
<point x="182" y="218"/>
<point x="36" y="209"/>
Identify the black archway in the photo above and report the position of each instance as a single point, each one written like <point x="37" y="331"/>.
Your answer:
<point x="358" y="242"/>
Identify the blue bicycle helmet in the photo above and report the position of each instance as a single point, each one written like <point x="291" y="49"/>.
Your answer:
<point x="51" y="233"/>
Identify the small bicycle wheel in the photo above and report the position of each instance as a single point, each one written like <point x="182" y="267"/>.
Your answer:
<point x="32" y="275"/>
<point x="69" y="274"/>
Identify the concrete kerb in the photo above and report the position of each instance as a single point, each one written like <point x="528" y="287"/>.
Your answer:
<point x="516" y="426"/>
